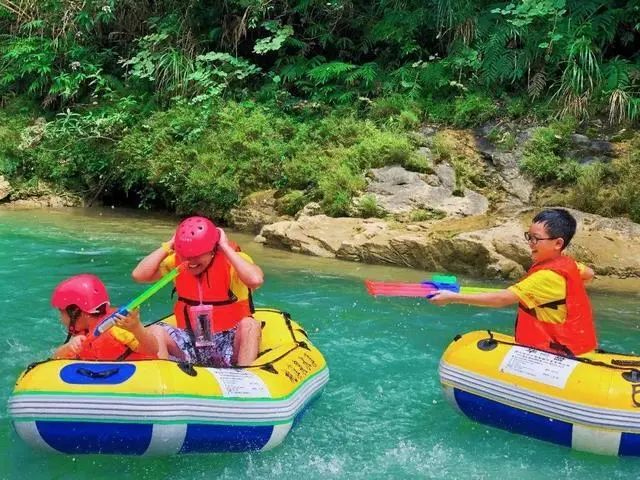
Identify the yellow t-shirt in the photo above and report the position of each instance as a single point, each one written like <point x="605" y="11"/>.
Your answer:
<point x="542" y="287"/>
<point x="240" y="290"/>
<point x="125" y="337"/>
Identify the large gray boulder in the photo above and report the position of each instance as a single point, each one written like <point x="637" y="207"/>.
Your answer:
<point x="398" y="190"/>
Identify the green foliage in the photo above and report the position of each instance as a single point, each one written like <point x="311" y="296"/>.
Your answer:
<point x="587" y="194"/>
<point x="417" y="162"/>
<point x="423" y="215"/>
<point x="503" y="139"/>
<point x="544" y="154"/>
<point x="472" y="110"/>
<point x="337" y="189"/>
<point x="190" y="158"/>
<point x="468" y="174"/>
<point x="35" y="65"/>
<point x="173" y="69"/>
<point x="609" y="189"/>
<point x="334" y="52"/>
<point x="292" y="202"/>
<point x="275" y="41"/>
<point x="11" y="127"/>
<point x="395" y="110"/>
<point x="194" y="104"/>
<point x="443" y="147"/>
<point x="368" y="207"/>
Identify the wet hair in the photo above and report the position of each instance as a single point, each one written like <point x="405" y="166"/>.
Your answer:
<point x="558" y="223"/>
<point x="74" y="312"/>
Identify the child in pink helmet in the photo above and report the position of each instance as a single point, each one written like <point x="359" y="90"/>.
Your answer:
<point x="214" y="292"/>
<point x="83" y="302"/>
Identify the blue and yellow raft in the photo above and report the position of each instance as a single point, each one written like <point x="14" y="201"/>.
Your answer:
<point x="160" y="407"/>
<point x="590" y="403"/>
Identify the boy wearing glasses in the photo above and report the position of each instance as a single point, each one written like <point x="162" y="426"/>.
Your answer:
<point x="554" y="311"/>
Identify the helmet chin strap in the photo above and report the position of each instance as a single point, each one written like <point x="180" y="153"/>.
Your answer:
<point x="73" y="319"/>
<point x="71" y="328"/>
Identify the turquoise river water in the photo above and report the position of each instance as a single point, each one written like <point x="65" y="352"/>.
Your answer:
<point x="382" y="414"/>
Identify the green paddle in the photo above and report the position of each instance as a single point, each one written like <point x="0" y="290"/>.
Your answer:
<point x="110" y="321"/>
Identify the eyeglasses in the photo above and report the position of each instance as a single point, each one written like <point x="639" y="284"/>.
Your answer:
<point x="534" y="240"/>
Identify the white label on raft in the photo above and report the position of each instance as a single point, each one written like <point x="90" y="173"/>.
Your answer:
<point x="539" y="366"/>
<point x="239" y="383"/>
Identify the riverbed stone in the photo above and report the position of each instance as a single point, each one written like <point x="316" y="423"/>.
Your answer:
<point x="309" y="210"/>
<point x="5" y="188"/>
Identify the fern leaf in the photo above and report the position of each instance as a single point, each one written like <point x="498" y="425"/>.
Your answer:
<point x="329" y="71"/>
<point x="537" y="84"/>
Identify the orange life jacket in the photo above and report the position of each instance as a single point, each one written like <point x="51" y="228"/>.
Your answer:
<point x="106" y="347"/>
<point x="215" y="286"/>
<point x="577" y="334"/>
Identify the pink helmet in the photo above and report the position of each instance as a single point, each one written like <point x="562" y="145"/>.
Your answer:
<point x="86" y="291"/>
<point x="195" y="236"/>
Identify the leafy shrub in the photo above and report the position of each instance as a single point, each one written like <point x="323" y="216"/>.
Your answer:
<point x="588" y="190"/>
<point x="610" y="188"/>
<point x="337" y="189"/>
<point x="11" y="127"/>
<point x="368" y="207"/>
<point x="544" y="153"/>
<point x="502" y="139"/>
<point x="292" y="202"/>
<point x="472" y="110"/>
<point x="397" y="110"/>
<point x="381" y="148"/>
<point x="418" y="163"/>
<point x="443" y="147"/>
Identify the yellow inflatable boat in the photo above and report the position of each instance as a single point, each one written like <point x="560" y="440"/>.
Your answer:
<point x="590" y="403"/>
<point x="162" y="407"/>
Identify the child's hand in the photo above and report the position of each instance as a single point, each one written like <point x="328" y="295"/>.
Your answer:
<point x="130" y="322"/>
<point x="74" y="345"/>
<point x="443" y="297"/>
<point x="223" y="241"/>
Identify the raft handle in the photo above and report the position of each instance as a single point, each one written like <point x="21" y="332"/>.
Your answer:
<point x="487" y="344"/>
<point x="632" y="376"/>
<point x="269" y="368"/>
<point x="188" y="369"/>
<point x="85" y="372"/>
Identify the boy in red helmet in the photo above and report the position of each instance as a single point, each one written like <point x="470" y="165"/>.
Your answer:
<point x="214" y="291"/>
<point x="83" y="302"/>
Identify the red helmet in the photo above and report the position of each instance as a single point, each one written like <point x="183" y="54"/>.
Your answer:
<point x="86" y="291"/>
<point x="195" y="236"/>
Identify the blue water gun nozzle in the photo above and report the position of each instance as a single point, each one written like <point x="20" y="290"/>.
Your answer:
<point x="446" y="283"/>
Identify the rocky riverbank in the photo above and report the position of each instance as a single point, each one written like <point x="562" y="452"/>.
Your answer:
<point x="479" y="246"/>
<point x="40" y="195"/>
<point x="467" y="215"/>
